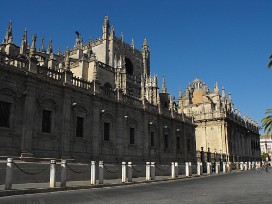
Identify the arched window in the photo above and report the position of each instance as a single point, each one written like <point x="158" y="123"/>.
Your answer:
<point x="129" y="66"/>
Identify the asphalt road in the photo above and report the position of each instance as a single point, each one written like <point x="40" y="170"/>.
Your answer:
<point x="244" y="187"/>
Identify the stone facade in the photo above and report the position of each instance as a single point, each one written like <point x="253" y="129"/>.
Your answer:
<point x="96" y="101"/>
<point x="220" y="127"/>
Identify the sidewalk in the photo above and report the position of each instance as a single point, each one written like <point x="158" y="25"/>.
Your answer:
<point x="30" y="188"/>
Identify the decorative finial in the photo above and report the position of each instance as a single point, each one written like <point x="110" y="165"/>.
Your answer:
<point x="50" y="49"/>
<point x="8" y="37"/>
<point x="132" y="44"/>
<point x="164" y="90"/>
<point x="33" y="45"/>
<point x="42" y="49"/>
<point x="122" y="37"/>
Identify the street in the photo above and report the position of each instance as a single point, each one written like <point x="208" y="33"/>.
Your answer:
<point x="241" y="187"/>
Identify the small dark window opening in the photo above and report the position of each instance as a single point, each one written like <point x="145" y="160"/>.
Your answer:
<point x="79" y="127"/>
<point x="132" y="134"/>
<point x="107" y="131"/>
<point x="107" y="89"/>
<point x="188" y="145"/>
<point x="152" y="139"/>
<point x="46" y="121"/>
<point x="165" y="141"/>
<point x="129" y="66"/>
<point x="4" y="114"/>
<point x="178" y="143"/>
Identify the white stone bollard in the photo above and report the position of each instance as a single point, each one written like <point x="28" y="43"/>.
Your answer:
<point x="241" y="166"/>
<point x="152" y="171"/>
<point x="249" y="166"/>
<point x="188" y="169"/>
<point x="63" y="173"/>
<point x="217" y="167"/>
<point x="93" y="176"/>
<point x="101" y="172"/>
<point x="173" y="170"/>
<point x="53" y="174"/>
<point x="124" y="172"/>
<point x="129" y="169"/>
<point x="209" y="168"/>
<point x="245" y="166"/>
<point x="229" y="166"/>
<point x="176" y="169"/>
<point x="199" y="169"/>
<point x="147" y="171"/>
<point x="224" y="167"/>
<point x="9" y="173"/>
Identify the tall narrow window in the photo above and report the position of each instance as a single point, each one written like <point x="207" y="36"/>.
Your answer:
<point x="165" y="141"/>
<point x="107" y="131"/>
<point x="4" y="114"/>
<point x="178" y="143"/>
<point x="46" y="121"/>
<point x="152" y="139"/>
<point x="79" y="127"/>
<point x="188" y="145"/>
<point x="131" y="136"/>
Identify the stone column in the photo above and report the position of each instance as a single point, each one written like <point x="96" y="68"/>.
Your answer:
<point x="249" y="166"/>
<point x="217" y="167"/>
<point x="224" y="167"/>
<point x="199" y="169"/>
<point x="241" y="166"/>
<point x="101" y="172"/>
<point x="188" y="169"/>
<point x="124" y="172"/>
<point x="93" y="178"/>
<point x="245" y="166"/>
<point x="147" y="171"/>
<point x="176" y="169"/>
<point x="129" y="169"/>
<point x="209" y="168"/>
<point x="152" y="170"/>
<point x="9" y="173"/>
<point x="63" y="173"/>
<point x="173" y="170"/>
<point x="28" y="124"/>
<point x="53" y="174"/>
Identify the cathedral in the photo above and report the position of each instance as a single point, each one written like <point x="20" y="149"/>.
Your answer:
<point x="99" y="101"/>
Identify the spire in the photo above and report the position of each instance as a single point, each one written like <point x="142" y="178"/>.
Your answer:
<point x="58" y="52"/>
<point x="132" y="44"/>
<point x="122" y="37"/>
<point x="33" y="45"/>
<point x="42" y="49"/>
<point x="23" y="46"/>
<point x="146" y="58"/>
<point x="105" y="28"/>
<point x="112" y="30"/>
<point x="8" y="37"/>
<point x="164" y="90"/>
<point x="67" y="60"/>
<point x="145" y="43"/>
<point x="50" y="49"/>
<point x="230" y="98"/>
<point x="180" y="93"/>
<point x="223" y="92"/>
<point x="216" y="90"/>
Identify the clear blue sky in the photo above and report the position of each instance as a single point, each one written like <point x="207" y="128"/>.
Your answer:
<point x="225" y="41"/>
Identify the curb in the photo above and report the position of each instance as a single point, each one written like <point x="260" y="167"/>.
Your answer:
<point x="5" y="193"/>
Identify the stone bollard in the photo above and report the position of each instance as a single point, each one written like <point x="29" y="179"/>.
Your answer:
<point x="188" y="169"/>
<point x="173" y="170"/>
<point x="101" y="172"/>
<point x="209" y="168"/>
<point x="129" y="169"/>
<point x="147" y="171"/>
<point x="124" y="172"/>
<point x="217" y="167"/>
<point x="9" y="173"/>
<point x="53" y="174"/>
<point x="229" y="167"/>
<point x="176" y="169"/>
<point x="93" y="178"/>
<point x="249" y="166"/>
<point x="224" y="167"/>
<point x="241" y="166"/>
<point x="245" y="166"/>
<point x="63" y="173"/>
<point x="199" y="169"/>
<point x="237" y="166"/>
<point x="152" y="171"/>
